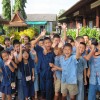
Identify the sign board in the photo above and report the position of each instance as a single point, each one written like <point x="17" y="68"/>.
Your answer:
<point x="95" y="4"/>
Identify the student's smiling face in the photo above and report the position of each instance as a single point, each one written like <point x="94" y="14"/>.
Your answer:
<point x="5" y="56"/>
<point x="25" y="55"/>
<point x="81" y="48"/>
<point x="67" y="51"/>
<point x="47" y="44"/>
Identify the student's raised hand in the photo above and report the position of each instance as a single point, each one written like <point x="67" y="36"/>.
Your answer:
<point x="15" y="54"/>
<point x="43" y="33"/>
<point x="54" y="44"/>
<point x="51" y="64"/>
<point x="64" y="26"/>
<point x="61" y="44"/>
<point x="7" y="62"/>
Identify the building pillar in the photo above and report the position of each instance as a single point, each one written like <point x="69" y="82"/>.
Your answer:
<point x="97" y="18"/>
<point x="84" y="21"/>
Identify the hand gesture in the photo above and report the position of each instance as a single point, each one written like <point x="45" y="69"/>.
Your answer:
<point x="61" y="44"/>
<point x="64" y="26"/>
<point x="43" y="33"/>
<point x="15" y="54"/>
<point x="54" y="44"/>
<point x="51" y="64"/>
<point x="7" y="62"/>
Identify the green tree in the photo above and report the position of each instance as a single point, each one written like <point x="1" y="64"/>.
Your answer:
<point x="20" y="6"/>
<point x="6" y="9"/>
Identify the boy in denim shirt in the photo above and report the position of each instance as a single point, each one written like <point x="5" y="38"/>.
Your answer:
<point x="68" y="64"/>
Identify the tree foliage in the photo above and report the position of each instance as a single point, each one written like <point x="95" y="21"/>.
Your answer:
<point x="20" y="6"/>
<point x="6" y="9"/>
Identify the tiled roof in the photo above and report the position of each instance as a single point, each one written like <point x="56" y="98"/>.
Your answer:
<point x="41" y="17"/>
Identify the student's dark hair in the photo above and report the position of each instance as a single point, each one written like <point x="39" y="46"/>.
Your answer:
<point x="6" y="38"/>
<point x="69" y="36"/>
<point x="68" y="45"/>
<point x="40" y="40"/>
<point x="94" y="41"/>
<point x="86" y="35"/>
<point x="83" y="43"/>
<point x="79" y="37"/>
<point x="1" y="48"/>
<point x="28" y="43"/>
<point x="15" y="42"/>
<point x="56" y="36"/>
<point x="25" y="51"/>
<point x="46" y="38"/>
<point x="27" y="37"/>
<point x="71" y="39"/>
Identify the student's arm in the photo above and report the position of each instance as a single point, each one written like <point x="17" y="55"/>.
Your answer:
<point x="54" y="66"/>
<point x="33" y="74"/>
<point x="0" y="70"/>
<point x="11" y="68"/>
<point x="85" y="77"/>
<point x="64" y="27"/>
<point x="87" y="57"/>
<point x="88" y="73"/>
<point x="78" y="55"/>
<point x="33" y="43"/>
<point x="15" y="66"/>
<point x="36" y="59"/>
<point x="20" y="54"/>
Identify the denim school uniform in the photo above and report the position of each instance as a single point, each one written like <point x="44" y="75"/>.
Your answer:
<point x="9" y="49"/>
<point x="36" y="81"/>
<point x="6" y="81"/>
<point x="19" y="83"/>
<point x="82" y="64"/>
<point x="69" y="74"/>
<point x="58" y="75"/>
<point x="94" y="82"/>
<point x="1" y="64"/>
<point x="46" y="75"/>
<point x="28" y="84"/>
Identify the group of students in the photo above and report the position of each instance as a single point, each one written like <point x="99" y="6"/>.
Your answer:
<point x="52" y="65"/>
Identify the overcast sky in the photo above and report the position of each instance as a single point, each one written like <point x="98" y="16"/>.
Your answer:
<point x="45" y="6"/>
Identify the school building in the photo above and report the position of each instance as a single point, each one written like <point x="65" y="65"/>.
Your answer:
<point x="83" y="13"/>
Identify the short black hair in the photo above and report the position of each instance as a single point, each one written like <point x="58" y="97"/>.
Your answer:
<point x="6" y="39"/>
<point x="71" y="39"/>
<point x="1" y="48"/>
<point x="83" y="43"/>
<point x="79" y="37"/>
<point x="40" y="40"/>
<point x="27" y="37"/>
<point x="86" y="35"/>
<point x="56" y="36"/>
<point x="15" y="42"/>
<point x="68" y="45"/>
<point x="94" y="41"/>
<point x="46" y="38"/>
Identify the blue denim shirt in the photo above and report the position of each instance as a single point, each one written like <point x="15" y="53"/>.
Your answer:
<point x="82" y="64"/>
<point x="35" y="65"/>
<point x="1" y="64"/>
<point x="57" y="63"/>
<point x="69" y="69"/>
<point x="94" y="65"/>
